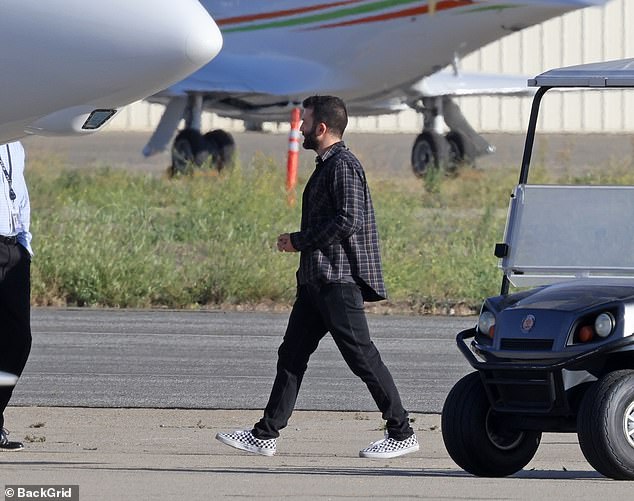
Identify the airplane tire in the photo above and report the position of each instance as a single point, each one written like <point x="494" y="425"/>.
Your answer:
<point x="188" y="149"/>
<point x="221" y="147"/>
<point x="476" y="437"/>
<point x="462" y="151"/>
<point x="430" y="152"/>
<point x="605" y="425"/>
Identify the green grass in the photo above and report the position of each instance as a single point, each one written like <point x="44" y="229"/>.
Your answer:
<point x="113" y="238"/>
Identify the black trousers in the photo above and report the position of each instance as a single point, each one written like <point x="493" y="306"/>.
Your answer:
<point x="338" y="309"/>
<point x="15" y="314"/>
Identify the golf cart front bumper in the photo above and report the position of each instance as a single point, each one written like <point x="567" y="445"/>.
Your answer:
<point x="536" y="387"/>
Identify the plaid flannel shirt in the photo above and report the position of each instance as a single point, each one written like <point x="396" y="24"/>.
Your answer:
<point x="338" y="239"/>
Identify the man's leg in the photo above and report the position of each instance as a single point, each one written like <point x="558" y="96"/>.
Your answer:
<point x="342" y="305"/>
<point x="15" y="332"/>
<point x="305" y="330"/>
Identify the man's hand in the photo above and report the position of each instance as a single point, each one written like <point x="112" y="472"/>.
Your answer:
<point x="284" y="243"/>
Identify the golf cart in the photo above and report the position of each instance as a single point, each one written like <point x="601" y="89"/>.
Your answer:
<point x="556" y="353"/>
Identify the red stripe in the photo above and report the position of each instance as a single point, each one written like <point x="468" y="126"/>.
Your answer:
<point x="281" y="13"/>
<point x="413" y="11"/>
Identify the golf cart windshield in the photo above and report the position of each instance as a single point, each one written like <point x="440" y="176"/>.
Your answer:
<point x="562" y="232"/>
<point x="557" y="233"/>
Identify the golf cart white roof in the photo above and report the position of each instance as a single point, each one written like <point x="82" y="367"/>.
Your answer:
<point x="618" y="73"/>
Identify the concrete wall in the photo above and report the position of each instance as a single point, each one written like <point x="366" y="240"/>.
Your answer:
<point x="589" y="35"/>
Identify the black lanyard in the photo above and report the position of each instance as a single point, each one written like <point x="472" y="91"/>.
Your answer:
<point x="8" y="175"/>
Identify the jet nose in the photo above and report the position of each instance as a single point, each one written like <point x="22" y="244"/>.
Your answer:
<point x="62" y="60"/>
<point x="187" y="30"/>
<point x="202" y="49"/>
<point x="154" y="45"/>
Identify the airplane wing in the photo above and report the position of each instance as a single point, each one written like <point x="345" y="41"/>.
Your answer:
<point x="275" y="75"/>
<point x="269" y="89"/>
<point x="270" y="77"/>
<point x="450" y="83"/>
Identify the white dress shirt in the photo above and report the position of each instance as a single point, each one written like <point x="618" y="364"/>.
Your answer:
<point x="15" y="215"/>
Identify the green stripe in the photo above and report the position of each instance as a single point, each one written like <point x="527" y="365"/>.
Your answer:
<point x="326" y="16"/>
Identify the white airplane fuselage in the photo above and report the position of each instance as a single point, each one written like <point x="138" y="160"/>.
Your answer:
<point x="62" y="59"/>
<point x="367" y="52"/>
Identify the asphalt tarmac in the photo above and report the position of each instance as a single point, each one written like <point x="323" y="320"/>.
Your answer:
<point x="222" y="360"/>
<point x="384" y="156"/>
<point x="126" y="404"/>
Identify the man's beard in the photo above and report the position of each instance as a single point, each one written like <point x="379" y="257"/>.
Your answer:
<point x="310" y="140"/>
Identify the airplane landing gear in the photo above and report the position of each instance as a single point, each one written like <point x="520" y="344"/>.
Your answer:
<point x="188" y="149"/>
<point x="434" y="151"/>
<point x="458" y="148"/>
<point x="462" y="151"/>
<point x="192" y="149"/>
<point x="430" y="151"/>
<point x="222" y="147"/>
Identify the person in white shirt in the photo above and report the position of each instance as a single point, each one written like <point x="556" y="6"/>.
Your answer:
<point x="15" y="275"/>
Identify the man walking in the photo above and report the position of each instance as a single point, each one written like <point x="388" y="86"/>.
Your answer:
<point x="15" y="283"/>
<point x="339" y="268"/>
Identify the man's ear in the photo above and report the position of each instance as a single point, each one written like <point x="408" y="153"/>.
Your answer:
<point x="321" y="129"/>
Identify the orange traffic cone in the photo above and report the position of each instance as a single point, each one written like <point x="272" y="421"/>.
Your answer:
<point x="293" y="157"/>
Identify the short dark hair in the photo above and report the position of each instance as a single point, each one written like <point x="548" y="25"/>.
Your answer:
<point x="330" y="110"/>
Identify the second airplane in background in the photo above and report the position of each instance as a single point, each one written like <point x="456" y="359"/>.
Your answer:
<point x="380" y="56"/>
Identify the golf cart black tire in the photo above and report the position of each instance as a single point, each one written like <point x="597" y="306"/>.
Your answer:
<point x="464" y="431"/>
<point x="600" y="425"/>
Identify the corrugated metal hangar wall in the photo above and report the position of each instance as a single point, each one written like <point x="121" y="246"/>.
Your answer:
<point x="590" y="35"/>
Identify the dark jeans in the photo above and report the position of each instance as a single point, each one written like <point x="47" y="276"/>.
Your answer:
<point x="15" y="313"/>
<point x="338" y="309"/>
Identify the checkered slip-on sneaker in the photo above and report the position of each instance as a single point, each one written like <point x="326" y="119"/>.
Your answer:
<point x="390" y="448"/>
<point x="244" y="440"/>
<point x="6" y="444"/>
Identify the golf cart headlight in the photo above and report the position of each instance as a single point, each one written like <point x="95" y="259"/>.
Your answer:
<point x="604" y="324"/>
<point x="486" y="323"/>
